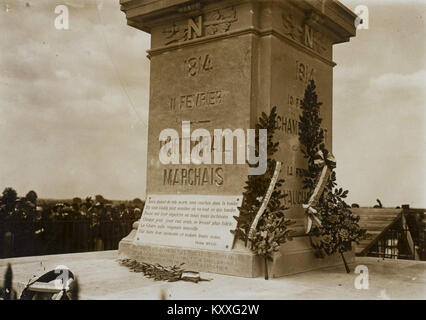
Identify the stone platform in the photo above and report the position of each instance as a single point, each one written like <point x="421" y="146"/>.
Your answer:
<point x="294" y="257"/>
<point x="101" y="277"/>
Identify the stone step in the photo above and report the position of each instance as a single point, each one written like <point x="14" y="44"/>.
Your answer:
<point x="374" y="224"/>
<point x="386" y="217"/>
<point x="359" y="249"/>
<point x="378" y="215"/>
<point x="371" y="235"/>
<point x="364" y="243"/>
<point x="376" y="212"/>
<point x="373" y="210"/>
<point x="378" y="228"/>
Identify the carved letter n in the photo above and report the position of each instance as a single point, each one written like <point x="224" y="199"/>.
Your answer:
<point x="309" y="36"/>
<point x="197" y="28"/>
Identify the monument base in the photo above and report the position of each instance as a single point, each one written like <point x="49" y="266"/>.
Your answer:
<point x="294" y="257"/>
<point x="297" y="256"/>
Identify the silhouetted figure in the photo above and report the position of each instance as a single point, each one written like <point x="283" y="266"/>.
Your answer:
<point x="74" y="289"/>
<point x="8" y="244"/>
<point x="8" y="292"/>
<point x="379" y="204"/>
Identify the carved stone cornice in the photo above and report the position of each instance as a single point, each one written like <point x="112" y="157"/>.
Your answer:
<point x="324" y="14"/>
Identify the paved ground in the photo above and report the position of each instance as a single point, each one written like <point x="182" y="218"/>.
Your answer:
<point x="101" y="277"/>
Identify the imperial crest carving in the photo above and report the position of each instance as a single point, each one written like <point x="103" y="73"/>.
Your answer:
<point x="211" y="23"/>
<point x="303" y="32"/>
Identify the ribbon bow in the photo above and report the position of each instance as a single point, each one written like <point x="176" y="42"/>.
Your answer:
<point x="321" y="161"/>
<point x="327" y="163"/>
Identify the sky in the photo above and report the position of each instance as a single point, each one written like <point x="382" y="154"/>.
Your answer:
<point x="379" y="106"/>
<point x="74" y="103"/>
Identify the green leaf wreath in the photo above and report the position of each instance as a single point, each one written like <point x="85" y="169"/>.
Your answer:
<point x="339" y="226"/>
<point x="272" y="229"/>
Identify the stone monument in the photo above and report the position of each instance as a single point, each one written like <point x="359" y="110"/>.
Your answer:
<point x="219" y="65"/>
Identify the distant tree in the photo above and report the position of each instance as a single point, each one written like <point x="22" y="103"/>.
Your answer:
<point x="99" y="198"/>
<point x="137" y="201"/>
<point x="77" y="201"/>
<point x="355" y="205"/>
<point x="32" y="197"/>
<point x="9" y="198"/>
<point x="88" y="202"/>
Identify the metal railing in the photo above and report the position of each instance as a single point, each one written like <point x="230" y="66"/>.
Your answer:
<point x="402" y="240"/>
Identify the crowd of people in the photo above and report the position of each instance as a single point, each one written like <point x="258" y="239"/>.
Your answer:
<point x="30" y="226"/>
